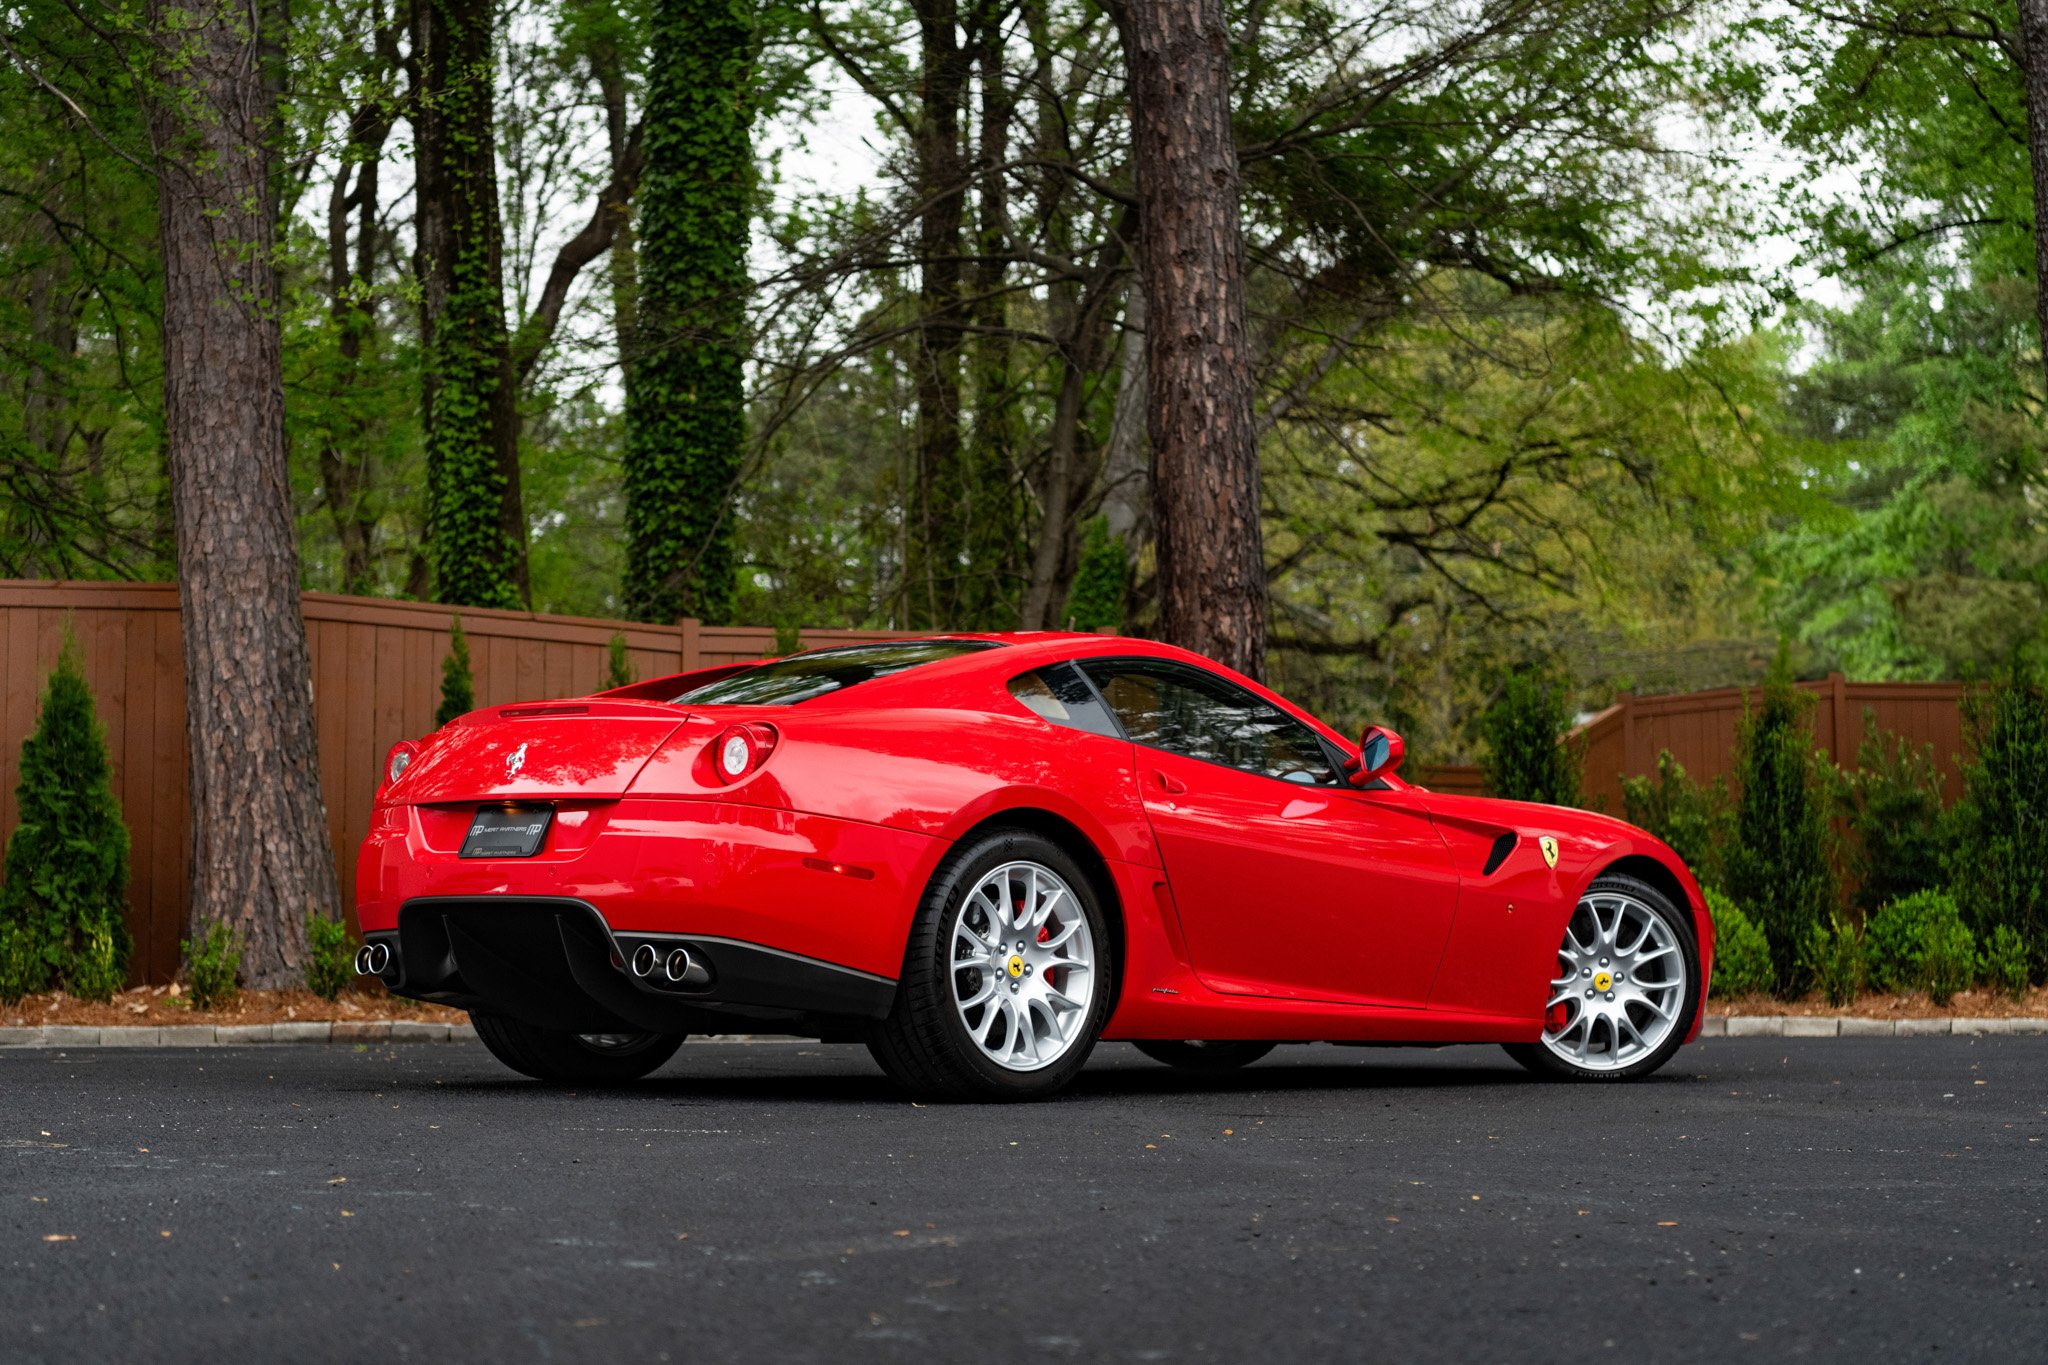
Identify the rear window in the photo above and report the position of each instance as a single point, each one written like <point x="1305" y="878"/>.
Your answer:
<point x="800" y="677"/>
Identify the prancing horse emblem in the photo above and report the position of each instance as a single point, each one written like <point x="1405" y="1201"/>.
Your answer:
<point x="518" y="761"/>
<point x="1546" y="843"/>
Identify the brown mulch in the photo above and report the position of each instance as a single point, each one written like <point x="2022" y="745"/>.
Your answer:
<point x="158" y="1005"/>
<point x="1965" y="1005"/>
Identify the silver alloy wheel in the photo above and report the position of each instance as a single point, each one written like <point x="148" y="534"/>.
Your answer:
<point x="1621" y="984"/>
<point x="1023" y="966"/>
<point x="615" y="1042"/>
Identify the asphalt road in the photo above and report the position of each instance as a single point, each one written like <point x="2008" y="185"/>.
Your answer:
<point x="1840" y="1200"/>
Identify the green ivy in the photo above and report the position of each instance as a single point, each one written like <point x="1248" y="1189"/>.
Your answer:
<point x="63" y="902"/>
<point x="1096" y="601"/>
<point x="458" y="685"/>
<point x="685" y="399"/>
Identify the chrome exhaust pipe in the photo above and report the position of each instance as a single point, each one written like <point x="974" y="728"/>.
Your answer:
<point x="363" y="960"/>
<point x="378" y="956"/>
<point x="644" y="960"/>
<point x="678" y="965"/>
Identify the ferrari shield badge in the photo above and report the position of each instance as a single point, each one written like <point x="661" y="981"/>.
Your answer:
<point x="1549" y="847"/>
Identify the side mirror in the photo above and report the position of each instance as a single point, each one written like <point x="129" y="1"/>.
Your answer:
<point x="1379" y="753"/>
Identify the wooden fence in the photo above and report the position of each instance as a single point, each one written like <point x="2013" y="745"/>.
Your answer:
<point x="376" y="680"/>
<point x="1699" y="730"/>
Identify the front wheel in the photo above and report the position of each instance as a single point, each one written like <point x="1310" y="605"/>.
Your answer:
<point x="574" y="1058"/>
<point x="1199" y="1056"/>
<point x="1006" y="979"/>
<point x="1626" y="986"/>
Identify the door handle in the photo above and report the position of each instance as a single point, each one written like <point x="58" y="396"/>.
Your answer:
<point x="1168" y="783"/>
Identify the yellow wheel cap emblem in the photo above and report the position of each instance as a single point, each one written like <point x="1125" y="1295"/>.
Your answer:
<point x="1603" y="981"/>
<point x="1016" y="965"/>
<point x="1549" y="847"/>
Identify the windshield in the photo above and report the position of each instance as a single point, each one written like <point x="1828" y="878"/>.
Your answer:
<point x="800" y="677"/>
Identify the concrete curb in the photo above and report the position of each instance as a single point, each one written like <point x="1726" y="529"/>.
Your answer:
<point x="405" y="1031"/>
<point x="1809" y="1026"/>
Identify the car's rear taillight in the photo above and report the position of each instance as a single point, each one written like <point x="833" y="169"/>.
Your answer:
<point x="740" y="750"/>
<point x="398" y="760"/>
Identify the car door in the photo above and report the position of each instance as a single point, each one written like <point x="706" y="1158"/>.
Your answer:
<point x="1288" y="881"/>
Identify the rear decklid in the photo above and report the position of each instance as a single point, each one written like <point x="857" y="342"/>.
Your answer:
<point x="540" y="751"/>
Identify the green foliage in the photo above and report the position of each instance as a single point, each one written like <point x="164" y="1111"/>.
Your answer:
<point x="63" y="900"/>
<point x="1778" y="865"/>
<point x="1526" y="755"/>
<point x="212" y="967"/>
<point x="1697" y="821"/>
<point x="1832" y="958"/>
<point x="2005" y="965"/>
<point x="685" y="393"/>
<point x="330" y="960"/>
<point x="1890" y="807"/>
<point x="1919" y="942"/>
<point x="618" y="670"/>
<point x="1096" y="601"/>
<point x="1742" y="956"/>
<point x="1998" y="864"/>
<point x="458" y="686"/>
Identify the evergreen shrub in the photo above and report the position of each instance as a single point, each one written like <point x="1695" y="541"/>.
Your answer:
<point x="1778" y="866"/>
<point x="1526" y="756"/>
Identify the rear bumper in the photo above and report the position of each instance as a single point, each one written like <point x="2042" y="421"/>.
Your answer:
<point x="554" y="962"/>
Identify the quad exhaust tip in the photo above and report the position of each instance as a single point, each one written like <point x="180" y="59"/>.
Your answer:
<point x="677" y="966"/>
<point x="372" y="959"/>
<point x="645" y="960"/>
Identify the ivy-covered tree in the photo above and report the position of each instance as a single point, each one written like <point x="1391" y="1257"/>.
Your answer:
<point x="476" y="535"/>
<point x="685" y="400"/>
<point x="1096" y="601"/>
<point x="64" y="895"/>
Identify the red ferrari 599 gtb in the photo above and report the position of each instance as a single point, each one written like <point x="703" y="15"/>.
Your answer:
<point x="979" y="854"/>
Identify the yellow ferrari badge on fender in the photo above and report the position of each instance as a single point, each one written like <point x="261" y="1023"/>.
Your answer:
<point x="1016" y="965"/>
<point x="1549" y="847"/>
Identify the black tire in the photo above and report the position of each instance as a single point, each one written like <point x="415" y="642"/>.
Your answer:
<point x="566" y="1059"/>
<point x="924" y="1044"/>
<point x="1204" y="1057"/>
<point x="1543" y="1062"/>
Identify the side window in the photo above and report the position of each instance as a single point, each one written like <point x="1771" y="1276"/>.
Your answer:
<point x="1062" y="696"/>
<point x="1187" y="711"/>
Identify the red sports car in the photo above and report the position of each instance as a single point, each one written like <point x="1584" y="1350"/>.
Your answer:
<point x="980" y="854"/>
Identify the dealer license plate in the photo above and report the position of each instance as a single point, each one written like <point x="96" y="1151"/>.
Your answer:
<point x="507" y="831"/>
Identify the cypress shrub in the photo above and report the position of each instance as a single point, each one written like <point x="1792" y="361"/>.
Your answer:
<point x="1778" y="865"/>
<point x="1998" y="864"/>
<point x="63" y="899"/>
<point x="1742" y="956"/>
<point x="1526" y="758"/>
<point x="458" y="687"/>
<point x="618" y="663"/>
<point x="1096" y="600"/>
<point x="1891" y="809"/>
<point x="1698" y="822"/>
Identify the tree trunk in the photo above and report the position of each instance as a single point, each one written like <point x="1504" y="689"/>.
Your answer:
<point x="686" y="422"/>
<point x="260" y="856"/>
<point x="2034" y="79"/>
<point x="1211" y="579"/>
<point x="476" y="526"/>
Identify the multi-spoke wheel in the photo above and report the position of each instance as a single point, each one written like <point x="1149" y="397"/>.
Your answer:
<point x="1625" y="988"/>
<point x="1005" y="982"/>
<point x="573" y="1058"/>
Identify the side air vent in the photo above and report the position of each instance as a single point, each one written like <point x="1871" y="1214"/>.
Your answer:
<point x="1502" y="847"/>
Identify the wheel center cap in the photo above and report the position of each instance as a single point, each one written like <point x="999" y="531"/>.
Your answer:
<point x="1015" y="966"/>
<point x="1603" y="980"/>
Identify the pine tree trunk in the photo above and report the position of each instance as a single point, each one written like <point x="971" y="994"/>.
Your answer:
<point x="260" y="856"/>
<point x="685" y="391"/>
<point x="476" y="528"/>
<point x="1211" y="579"/>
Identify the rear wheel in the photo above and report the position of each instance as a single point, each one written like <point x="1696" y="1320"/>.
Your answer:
<point x="1006" y="979"/>
<point x="574" y="1058"/>
<point x="1201" y="1056"/>
<point x="1625" y="988"/>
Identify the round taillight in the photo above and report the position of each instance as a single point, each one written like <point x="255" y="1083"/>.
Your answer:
<point x="735" y="756"/>
<point x="399" y="760"/>
<point x="740" y="750"/>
